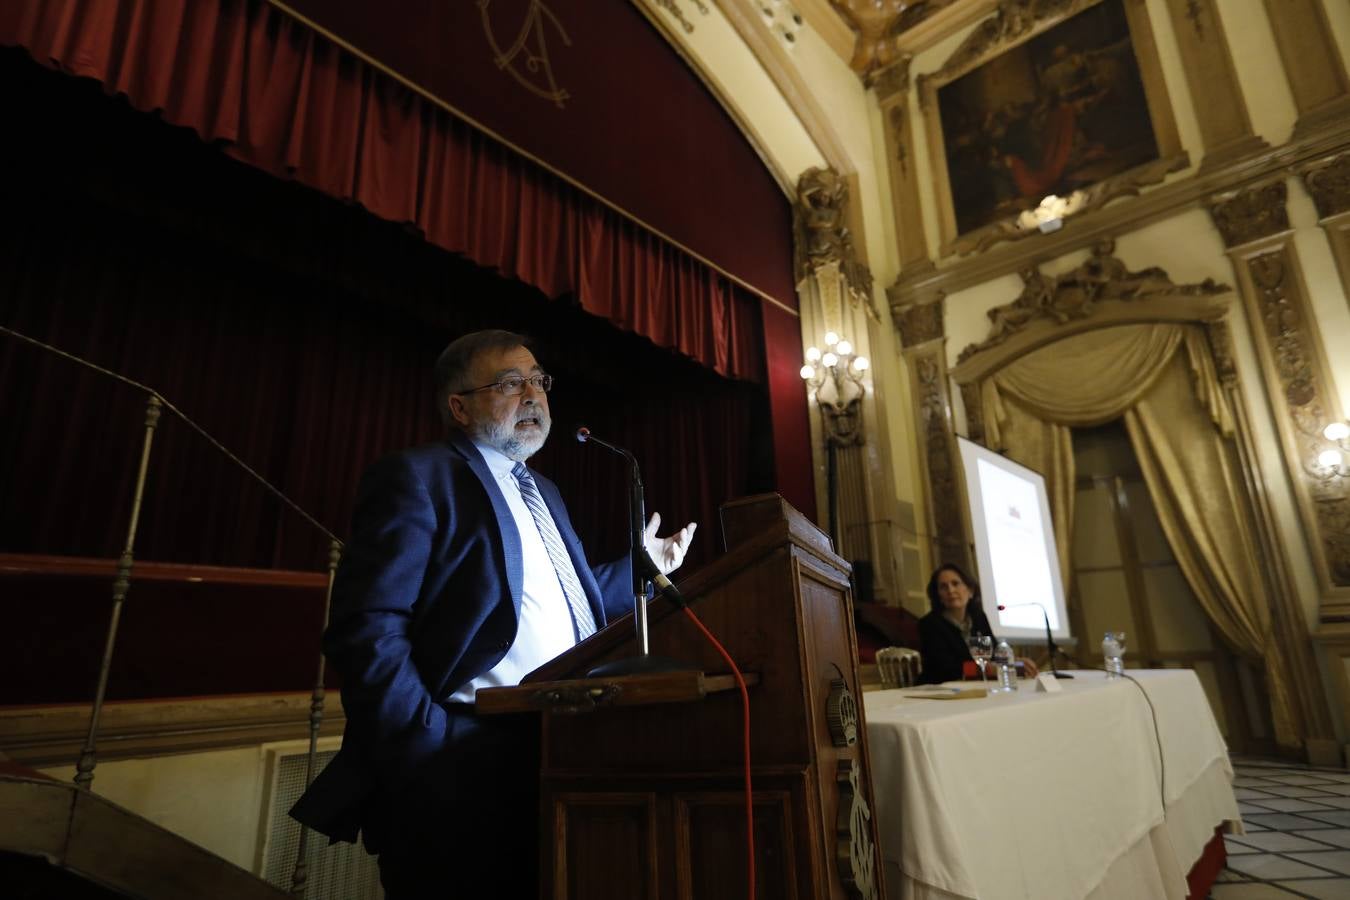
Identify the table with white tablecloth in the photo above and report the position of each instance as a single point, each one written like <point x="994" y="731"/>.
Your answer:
<point x="1048" y="795"/>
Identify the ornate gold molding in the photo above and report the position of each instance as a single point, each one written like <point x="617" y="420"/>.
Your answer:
<point x="929" y="377"/>
<point x="920" y="323"/>
<point x="1079" y="294"/>
<point x="1221" y="348"/>
<point x="1328" y="181"/>
<point x="824" y="242"/>
<point x="1012" y="22"/>
<point x="919" y="282"/>
<point x="674" y="9"/>
<point x="892" y="80"/>
<point x="970" y="399"/>
<point x="1127" y="184"/>
<point x="1251" y="214"/>
<point x="1305" y="392"/>
<point x="875" y="22"/>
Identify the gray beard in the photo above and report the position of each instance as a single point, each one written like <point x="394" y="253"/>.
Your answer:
<point x="502" y="437"/>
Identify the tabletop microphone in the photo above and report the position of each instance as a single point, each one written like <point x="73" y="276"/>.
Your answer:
<point x="1049" y="638"/>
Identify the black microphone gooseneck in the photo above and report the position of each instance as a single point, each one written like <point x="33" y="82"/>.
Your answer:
<point x="636" y="514"/>
<point x="644" y="570"/>
<point x="1050" y="644"/>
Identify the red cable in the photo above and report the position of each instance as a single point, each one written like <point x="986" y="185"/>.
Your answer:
<point x="745" y="709"/>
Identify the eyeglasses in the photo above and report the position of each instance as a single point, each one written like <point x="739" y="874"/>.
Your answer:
<point x="512" y="385"/>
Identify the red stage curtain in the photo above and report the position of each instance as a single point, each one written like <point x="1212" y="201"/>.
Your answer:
<point x="276" y="95"/>
<point x="298" y="331"/>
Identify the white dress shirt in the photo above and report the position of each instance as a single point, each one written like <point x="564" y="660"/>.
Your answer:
<point x="545" y="628"/>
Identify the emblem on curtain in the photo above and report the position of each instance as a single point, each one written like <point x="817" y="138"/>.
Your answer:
<point x="530" y="49"/>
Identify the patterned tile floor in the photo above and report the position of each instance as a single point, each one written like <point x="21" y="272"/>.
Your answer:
<point x="1298" y="834"/>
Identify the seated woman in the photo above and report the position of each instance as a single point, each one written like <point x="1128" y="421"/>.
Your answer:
<point x="955" y="614"/>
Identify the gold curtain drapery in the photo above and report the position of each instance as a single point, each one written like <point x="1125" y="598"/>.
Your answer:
<point x="1180" y="426"/>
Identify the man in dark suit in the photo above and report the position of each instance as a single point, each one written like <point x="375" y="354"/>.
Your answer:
<point x="462" y="572"/>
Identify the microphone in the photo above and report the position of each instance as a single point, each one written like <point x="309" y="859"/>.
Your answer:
<point x="644" y="568"/>
<point x="643" y="563"/>
<point x="1049" y="638"/>
<point x="635" y="509"/>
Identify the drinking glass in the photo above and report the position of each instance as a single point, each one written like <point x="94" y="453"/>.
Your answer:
<point x="981" y="648"/>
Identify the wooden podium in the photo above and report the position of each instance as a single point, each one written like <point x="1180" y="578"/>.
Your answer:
<point x="642" y="790"/>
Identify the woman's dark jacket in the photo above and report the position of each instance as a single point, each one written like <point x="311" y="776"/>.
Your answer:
<point x="944" y="646"/>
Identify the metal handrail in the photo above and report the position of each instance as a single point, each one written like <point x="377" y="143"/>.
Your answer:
<point x="155" y="404"/>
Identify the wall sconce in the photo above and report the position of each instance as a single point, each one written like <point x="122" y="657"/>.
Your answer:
<point x="835" y="377"/>
<point x="1050" y="215"/>
<point x="1331" y="462"/>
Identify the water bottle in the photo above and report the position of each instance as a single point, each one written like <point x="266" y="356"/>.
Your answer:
<point x="1112" y="651"/>
<point x="1007" y="666"/>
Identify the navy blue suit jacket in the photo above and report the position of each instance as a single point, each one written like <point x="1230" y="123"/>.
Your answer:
<point x="426" y="598"/>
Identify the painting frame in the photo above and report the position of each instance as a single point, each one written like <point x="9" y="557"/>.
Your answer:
<point x="1013" y="24"/>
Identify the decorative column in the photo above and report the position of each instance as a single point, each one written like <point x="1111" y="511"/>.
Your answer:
<point x="892" y="87"/>
<point x="1328" y="180"/>
<point x="1312" y="61"/>
<point x="924" y="347"/>
<point x="839" y="313"/>
<point x="1309" y="699"/>
<point x="1220" y="111"/>
<point x="1255" y="228"/>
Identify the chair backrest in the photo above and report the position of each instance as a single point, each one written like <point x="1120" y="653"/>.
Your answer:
<point x="899" y="666"/>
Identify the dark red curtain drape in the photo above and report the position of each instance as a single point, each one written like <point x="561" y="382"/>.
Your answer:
<point x="298" y="330"/>
<point x="274" y="94"/>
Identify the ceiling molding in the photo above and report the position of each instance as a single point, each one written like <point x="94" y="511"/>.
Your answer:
<point x="783" y="71"/>
<point x="827" y="23"/>
<point x="942" y="24"/>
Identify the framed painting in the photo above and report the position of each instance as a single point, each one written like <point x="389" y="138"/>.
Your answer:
<point x="1068" y="103"/>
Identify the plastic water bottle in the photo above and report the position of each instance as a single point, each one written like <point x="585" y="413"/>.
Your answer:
<point x="1112" y="651"/>
<point x="1007" y="666"/>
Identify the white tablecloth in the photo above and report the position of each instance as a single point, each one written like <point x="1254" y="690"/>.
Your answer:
<point x="1048" y="795"/>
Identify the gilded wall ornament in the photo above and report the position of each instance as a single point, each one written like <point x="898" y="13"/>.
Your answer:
<point x="876" y="23"/>
<point x="529" y="50"/>
<point x="1300" y="386"/>
<point x="896" y="119"/>
<point x="822" y="237"/>
<point x="1221" y="348"/>
<point x="1195" y="12"/>
<point x="1011" y="21"/>
<point x="920" y="323"/>
<point x="673" y="8"/>
<point x="1127" y="184"/>
<point x="1251" y="214"/>
<point x="1079" y="294"/>
<point x="842" y="421"/>
<point x="970" y="398"/>
<point x="893" y="79"/>
<point x="1329" y="184"/>
<point x="934" y="415"/>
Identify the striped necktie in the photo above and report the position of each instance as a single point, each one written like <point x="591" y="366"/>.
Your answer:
<point x="583" y="621"/>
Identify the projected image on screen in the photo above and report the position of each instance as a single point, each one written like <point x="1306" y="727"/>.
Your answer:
<point x="1018" y="565"/>
<point x="1021" y="572"/>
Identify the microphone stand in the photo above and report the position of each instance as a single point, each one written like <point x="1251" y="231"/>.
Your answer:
<point x="1050" y="644"/>
<point x="1052" y="647"/>
<point x="644" y="569"/>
